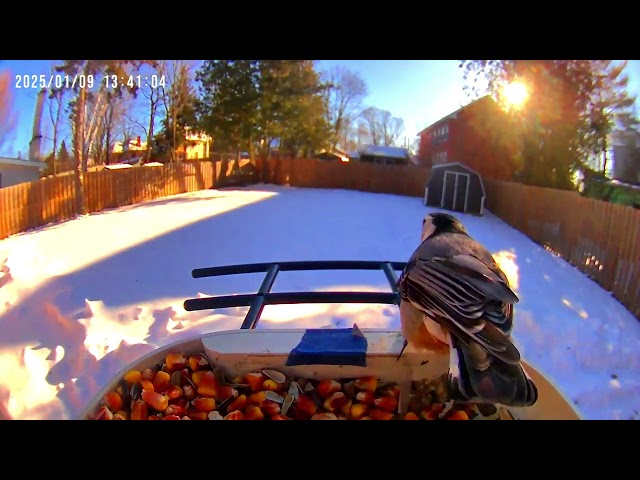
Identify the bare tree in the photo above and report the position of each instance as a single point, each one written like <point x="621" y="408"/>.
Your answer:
<point x="152" y="97"/>
<point x="128" y="129"/>
<point x="392" y="129"/>
<point x="111" y="116"/>
<point x="143" y="118"/>
<point x="177" y="96"/>
<point x="362" y="134"/>
<point x="371" y="121"/>
<point x="344" y="91"/>
<point x="106" y="121"/>
<point x="56" y="109"/>
<point x="88" y="70"/>
<point x="383" y="128"/>
<point x="8" y="117"/>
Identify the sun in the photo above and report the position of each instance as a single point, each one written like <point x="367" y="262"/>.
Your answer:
<point x="515" y="95"/>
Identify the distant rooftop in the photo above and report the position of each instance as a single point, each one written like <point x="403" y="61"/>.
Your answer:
<point x="22" y="162"/>
<point x="382" y="151"/>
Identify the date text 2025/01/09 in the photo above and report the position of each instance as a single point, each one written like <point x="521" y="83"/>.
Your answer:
<point x="59" y="81"/>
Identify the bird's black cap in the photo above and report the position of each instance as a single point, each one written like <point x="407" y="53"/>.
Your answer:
<point x="443" y="222"/>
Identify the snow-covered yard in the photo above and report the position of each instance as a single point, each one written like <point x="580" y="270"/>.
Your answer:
<point x="81" y="299"/>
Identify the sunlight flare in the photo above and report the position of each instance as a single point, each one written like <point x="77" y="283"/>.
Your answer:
<point x="515" y="95"/>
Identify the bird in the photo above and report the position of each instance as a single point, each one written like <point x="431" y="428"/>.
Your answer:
<point x="453" y="295"/>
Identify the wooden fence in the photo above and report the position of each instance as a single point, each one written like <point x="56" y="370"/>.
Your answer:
<point x="30" y="205"/>
<point x="600" y="239"/>
<point x="311" y="173"/>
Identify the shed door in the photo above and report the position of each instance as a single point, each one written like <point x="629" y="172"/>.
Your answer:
<point x="455" y="192"/>
<point x="448" y="189"/>
<point x="460" y="192"/>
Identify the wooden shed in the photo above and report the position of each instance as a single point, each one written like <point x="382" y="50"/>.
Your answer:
<point x="455" y="187"/>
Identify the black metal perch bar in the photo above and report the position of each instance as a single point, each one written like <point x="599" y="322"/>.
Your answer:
<point x="257" y="301"/>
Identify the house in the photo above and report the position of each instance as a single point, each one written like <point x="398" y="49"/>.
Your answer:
<point x="16" y="170"/>
<point x="136" y="145"/>
<point x="626" y="157"/>
<point x="196" y="146"/>
<point x="382" y="155"/>
<point x="477" y="135"/>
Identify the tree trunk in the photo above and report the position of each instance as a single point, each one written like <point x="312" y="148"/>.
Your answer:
<point x="56" y="127"/>
<point x="152" y="117"/>
<point x="55" y="150"/>
<point x="108" y="154"/>
<point x="173" y="125"/>
<point x="604" y="162"/>
<point x="236" y="167"/>
<point x="266" y="154"/>
<point x="109" y="126"/>
<point x="78" y="150"/>
<point x="252" y="154"/>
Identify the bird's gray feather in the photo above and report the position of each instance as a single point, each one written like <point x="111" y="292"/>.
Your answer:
<point x="456" y="282"/>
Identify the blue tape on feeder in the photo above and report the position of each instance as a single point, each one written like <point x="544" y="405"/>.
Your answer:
<point x="331" y="346"/>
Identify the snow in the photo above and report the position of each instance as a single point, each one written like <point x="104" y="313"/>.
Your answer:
<point x="80" y="300"/>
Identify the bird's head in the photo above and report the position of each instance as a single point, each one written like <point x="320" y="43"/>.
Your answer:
<point x="435" y="223"/>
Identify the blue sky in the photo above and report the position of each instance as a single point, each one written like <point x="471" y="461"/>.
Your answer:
<point x="418" y="91"/>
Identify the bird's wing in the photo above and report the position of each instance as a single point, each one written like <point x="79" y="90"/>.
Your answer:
<point x="467" y="297"/>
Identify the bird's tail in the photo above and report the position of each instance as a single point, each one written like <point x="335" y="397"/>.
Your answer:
<point x="476" y="375"/>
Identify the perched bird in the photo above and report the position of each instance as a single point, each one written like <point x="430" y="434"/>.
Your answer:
<point x="454" y="295"/>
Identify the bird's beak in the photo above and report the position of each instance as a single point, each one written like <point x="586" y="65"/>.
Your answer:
<point x="404" y="345"/>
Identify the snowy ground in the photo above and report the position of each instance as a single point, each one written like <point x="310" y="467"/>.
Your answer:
<point x="81" y="299"/>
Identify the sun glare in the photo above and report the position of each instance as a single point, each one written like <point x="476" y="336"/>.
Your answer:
<point x="515" y="95"/>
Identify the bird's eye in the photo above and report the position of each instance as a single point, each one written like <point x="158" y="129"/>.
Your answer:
<point x="424" y="220"/>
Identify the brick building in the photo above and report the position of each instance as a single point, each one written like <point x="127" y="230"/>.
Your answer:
<point x="477" y="135"/>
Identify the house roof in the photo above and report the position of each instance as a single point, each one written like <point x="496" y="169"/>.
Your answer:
<point x="22" y="162"/>
<point x="336" y="151"/>
<point x="454" y="114"/>
<point x="382" y="151"/>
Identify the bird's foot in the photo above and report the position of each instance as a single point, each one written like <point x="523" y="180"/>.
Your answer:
<point x="404" y="345"/>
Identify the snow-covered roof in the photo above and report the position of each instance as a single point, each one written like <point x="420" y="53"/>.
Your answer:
<point x="382" y="151"/>
<point x="22" y="162"/>
<point x="117" y="166"/>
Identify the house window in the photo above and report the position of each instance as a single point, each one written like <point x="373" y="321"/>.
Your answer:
<point x="440" y="157"/>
